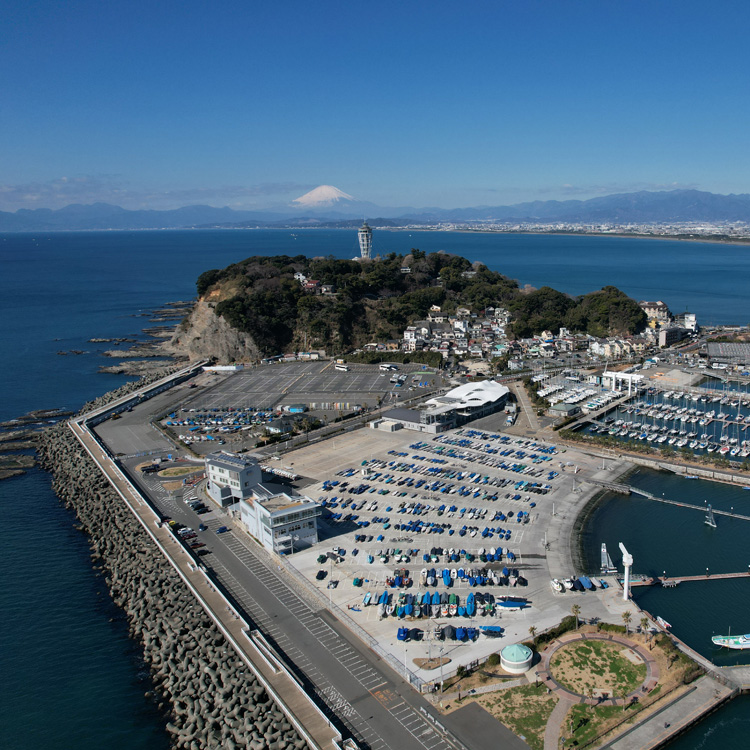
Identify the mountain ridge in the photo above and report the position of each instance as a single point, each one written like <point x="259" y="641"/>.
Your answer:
<point x="637" y="207"/>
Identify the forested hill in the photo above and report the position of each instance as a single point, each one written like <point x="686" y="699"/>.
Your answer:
<point x="375" y="300"/>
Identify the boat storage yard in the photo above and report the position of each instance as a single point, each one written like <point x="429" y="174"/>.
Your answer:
<point x="475" y="519"/>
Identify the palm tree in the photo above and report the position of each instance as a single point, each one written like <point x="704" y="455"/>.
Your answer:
<point x="626" y="618"/>
<point x="644" y="627"/>
<point x="532" y="633"/>
<point x="576" y="610"/>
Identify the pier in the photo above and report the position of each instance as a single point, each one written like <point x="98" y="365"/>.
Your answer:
<point x="679" y="503"/>
<point x="672" y="581"/>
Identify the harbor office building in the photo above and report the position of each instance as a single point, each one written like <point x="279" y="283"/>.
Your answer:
<point x="281" y="522"/>
<point x="455" y="408"/>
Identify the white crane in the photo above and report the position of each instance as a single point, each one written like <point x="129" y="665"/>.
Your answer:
<point x="627" y="561"/>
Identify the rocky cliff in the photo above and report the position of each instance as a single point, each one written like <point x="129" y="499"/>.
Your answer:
<point x="204" y="334"/>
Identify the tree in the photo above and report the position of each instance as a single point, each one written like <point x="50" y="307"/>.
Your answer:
<point x="576" y="610"/>
<point x="644" y="627"/>
<point x="532" y="633"/>
<point x="627" y="616"/>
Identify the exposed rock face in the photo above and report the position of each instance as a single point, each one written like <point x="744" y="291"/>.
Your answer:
<point x="212" y="700"/>
<point x="203" y="334"/>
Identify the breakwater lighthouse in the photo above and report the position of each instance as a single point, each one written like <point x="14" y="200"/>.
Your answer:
<point x="365" y="241"/>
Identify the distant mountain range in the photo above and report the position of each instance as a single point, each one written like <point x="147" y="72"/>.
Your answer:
<point x="327" y="206"/>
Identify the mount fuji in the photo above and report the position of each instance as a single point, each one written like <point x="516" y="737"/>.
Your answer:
<point x="323" y="195"/>
<point x="334" y="203"/>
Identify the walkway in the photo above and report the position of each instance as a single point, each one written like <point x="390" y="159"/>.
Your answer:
<point x="526" y="406"/>
<point x="493" y="688"/>
<point x="553" y="729"/>
<point x="649" y="683"/>
<point x="658" y="728"/>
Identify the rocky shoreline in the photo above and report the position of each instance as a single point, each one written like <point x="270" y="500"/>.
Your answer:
<point x="209" y="696"/>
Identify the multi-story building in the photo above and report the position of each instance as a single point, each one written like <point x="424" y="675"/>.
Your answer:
<point x="231" y="478"/>
<point x="279" y="521"/>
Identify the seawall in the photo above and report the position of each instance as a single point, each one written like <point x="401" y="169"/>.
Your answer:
<point x="211" y="697"/>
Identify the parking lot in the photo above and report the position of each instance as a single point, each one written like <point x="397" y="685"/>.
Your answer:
<point x="238" y="408"/>
<point x="269" y="387"/>
<point x="466" y="513"/>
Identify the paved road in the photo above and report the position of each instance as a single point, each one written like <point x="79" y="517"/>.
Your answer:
<point x="375" y="705"/>
<point x="351" y="682"/>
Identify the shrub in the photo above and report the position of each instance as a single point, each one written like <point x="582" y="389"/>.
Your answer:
<point x="493" y="660"/>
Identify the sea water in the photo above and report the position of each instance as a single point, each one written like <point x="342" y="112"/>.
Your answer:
<point x="72" y="676"/>
<point x="676" y="541"/>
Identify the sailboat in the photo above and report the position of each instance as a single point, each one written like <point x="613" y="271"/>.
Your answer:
<point x="710" y="520"/>
<point x="606" y="561"/>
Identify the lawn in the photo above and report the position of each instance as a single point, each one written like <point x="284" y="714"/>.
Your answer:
<point x="595" y="668"/>
<point x="524" y="710"/>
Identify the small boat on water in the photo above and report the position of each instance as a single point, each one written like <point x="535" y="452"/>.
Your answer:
<point x="710" y="520"/>
<point x="739" y="642"/>
<point x="606" y="561"/>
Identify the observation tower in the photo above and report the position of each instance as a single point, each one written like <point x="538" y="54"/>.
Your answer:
<point x="365" y="241"/>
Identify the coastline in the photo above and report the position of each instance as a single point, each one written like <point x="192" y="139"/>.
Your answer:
<point x="618" y="235"/>
<point x="201" y="686"/>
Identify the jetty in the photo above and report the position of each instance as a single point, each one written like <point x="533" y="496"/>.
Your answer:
<point x="625" y="489"/>
<point x="672" y="581"/>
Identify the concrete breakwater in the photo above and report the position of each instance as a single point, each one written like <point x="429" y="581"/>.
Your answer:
<point x="211" y="697"/>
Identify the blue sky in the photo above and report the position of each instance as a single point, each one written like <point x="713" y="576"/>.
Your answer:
<point x="163" y="104"/>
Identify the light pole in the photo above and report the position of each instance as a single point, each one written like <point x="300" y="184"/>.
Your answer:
<point x="441" y="674"/>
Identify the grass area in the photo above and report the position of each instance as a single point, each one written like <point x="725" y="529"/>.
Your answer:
<point x="525" y="710"/>
<point x="179" y="471"/>
<point x="593" y="668"/>
<point x="584" y="723"/>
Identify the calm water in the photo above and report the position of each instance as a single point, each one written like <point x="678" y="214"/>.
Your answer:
<point x="72" y="677"/>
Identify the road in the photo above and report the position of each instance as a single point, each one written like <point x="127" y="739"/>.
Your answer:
<point x="353" y="686"/>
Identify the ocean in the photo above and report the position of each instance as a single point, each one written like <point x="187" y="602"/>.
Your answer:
<point x="72" y="676"/>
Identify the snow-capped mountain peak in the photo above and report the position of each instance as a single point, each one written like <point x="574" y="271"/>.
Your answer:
<point x="323" y="195"/>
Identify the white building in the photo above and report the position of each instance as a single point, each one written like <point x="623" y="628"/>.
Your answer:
<point x="231" y="478"/>
<point x="281" y="523"/>
<point x="458" y="406"/>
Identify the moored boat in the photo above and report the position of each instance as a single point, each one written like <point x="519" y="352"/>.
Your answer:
<point x="739" y="642"/>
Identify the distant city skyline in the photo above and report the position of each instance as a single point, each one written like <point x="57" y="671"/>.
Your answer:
<point x="162" y="106"/>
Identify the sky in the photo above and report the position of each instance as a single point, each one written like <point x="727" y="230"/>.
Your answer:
<point x="250" y="105"/>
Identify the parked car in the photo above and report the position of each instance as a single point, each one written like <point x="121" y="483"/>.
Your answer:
<point x="202" y="527"/>
<point x="321" y="574"/>
<point x="222" y="530"/>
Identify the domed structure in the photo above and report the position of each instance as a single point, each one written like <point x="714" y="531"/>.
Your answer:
<point x="516" y="658"/>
